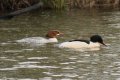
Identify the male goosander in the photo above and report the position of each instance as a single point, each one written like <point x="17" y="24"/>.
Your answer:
<point x="50" y="38"/>
<point x="94" y="42"/>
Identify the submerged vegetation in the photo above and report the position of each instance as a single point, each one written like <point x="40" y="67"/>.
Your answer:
<point x="59" y="4"/>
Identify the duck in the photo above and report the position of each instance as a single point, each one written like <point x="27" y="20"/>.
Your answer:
<point x="50" y="37"/>
<point x="94" y="42"/>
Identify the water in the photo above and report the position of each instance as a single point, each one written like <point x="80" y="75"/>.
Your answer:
<point x="48" y="62"/>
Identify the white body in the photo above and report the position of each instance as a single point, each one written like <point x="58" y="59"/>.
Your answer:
<point x="38" y="40"/>
<point x="79" y="45"/>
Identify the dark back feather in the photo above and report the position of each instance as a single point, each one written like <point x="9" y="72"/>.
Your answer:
<point x="86" y="41"/>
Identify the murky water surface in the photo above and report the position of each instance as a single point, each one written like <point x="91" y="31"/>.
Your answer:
<point x="48" y="62"/>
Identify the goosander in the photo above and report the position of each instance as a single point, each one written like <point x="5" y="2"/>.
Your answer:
<point x="50" y="38"/>
<point x="94" y="42"/>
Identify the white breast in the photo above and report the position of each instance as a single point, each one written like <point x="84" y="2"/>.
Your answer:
<point x="78" y="44"/>
<point x="37" y="40"/>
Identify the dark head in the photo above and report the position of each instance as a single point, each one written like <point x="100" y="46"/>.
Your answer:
<point x="53" y="34"/>
<point x="97" y="38"/>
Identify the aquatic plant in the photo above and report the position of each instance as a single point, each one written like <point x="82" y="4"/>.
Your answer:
<point x="94" y="3"/>
<point x="59" y="4"/>
<point x="54" y="4"/>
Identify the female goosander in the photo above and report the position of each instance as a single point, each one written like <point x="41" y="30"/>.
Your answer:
<point x="94" y="42"/>
<point x="50" y="38"/>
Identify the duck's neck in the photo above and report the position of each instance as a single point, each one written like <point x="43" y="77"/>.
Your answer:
<point x="53" y="40"/>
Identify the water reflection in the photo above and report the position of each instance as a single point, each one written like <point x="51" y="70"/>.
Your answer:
<point x="48" y="62"/>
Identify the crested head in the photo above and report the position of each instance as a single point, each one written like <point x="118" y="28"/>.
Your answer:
<point x="53" y="34"/>
<point x="97" y="38"/>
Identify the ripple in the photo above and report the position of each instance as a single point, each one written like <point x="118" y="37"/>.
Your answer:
<point x="66" y="79"/>
<point x="46" y="78"/>
<point x="27" y="49"/>
<point x="85" y="55"/>
<point x="117" y="63"/>
<point x="4" y="78"/>
<point x="79" y="61"/>
<point x="30" y="66"/>
<point x="48" y="73"/>
<point x="9" y="29"/>
<point x="27" y="79"/>
<point x="3" y="44"/>
<point x="67" y="68"/>
<point x="116" y="25"/>
<point x="115" y="74"/>
<point x="72" y="58"/>
<point x="7" y="69"/>
<point x="111" y="55"/>
<point x="57" y="75"/>
<point x="105" y="72"/>
<point x="5" y="58"/>
<point x="70" y="75"/>
<point x="68" y="63"/>
<point x="12" y="51"/>
<point x="111" y="37"/>
<point x="28" y="62"/>
<point x="17" y="51"/>
<point x="39" y="58"/>
<point x="18" y="79"/>
<point x="118" y="79"/>
<point x="10" y="60"/>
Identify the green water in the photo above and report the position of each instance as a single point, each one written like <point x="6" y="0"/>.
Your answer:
<point x="48" y="62"/>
